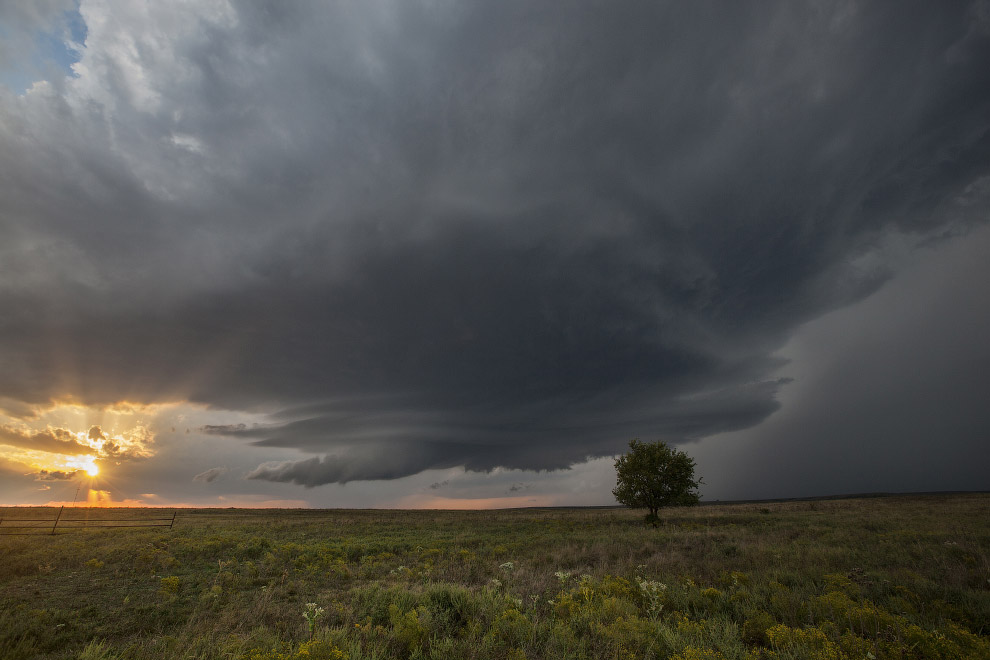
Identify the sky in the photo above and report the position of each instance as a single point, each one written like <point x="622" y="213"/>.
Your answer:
<point x="457" y="254"/>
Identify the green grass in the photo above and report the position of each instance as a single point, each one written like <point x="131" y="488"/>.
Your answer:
<point x="898" y="577"/>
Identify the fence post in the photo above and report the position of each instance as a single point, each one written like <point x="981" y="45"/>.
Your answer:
<point x="173" y="519"/>
<point x="56" y="519"/>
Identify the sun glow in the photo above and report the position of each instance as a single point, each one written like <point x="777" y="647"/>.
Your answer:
<point x="68" y="440"/>
<point x="84" y="464"/>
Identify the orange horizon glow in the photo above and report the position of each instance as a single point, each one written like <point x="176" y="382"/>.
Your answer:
<point x="475" y="504"/>
<point x="102" y="500"/>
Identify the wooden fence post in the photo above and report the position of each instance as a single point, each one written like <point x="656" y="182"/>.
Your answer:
<point x="56" y="519"/>
<point x="173" y="519"/>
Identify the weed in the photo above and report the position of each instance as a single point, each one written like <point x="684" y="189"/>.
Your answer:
<point x="311" y="614"/>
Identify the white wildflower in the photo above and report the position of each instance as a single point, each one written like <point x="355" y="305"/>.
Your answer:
<point x="652" y="592"/>
<point x="311" y="614"/>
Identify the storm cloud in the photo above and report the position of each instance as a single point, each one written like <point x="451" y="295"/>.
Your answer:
<point x="421" y="235"/>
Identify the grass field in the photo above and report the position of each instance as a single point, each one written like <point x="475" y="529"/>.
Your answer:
<point x="896" y="577"/>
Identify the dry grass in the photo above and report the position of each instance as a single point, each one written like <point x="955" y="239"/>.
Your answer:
<point x="747" y="580"/>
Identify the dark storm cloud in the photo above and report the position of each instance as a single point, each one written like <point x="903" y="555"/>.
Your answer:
<point x="890" y="394"/>
<point x="484" y="234"/>
<point x="394" y="441"/>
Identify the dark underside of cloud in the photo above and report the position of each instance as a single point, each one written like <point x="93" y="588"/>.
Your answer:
<point x="493" y="234"/>
<point x="59" y="441"/>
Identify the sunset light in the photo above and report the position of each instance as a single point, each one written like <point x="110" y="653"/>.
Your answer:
<point x="93" y="471"/>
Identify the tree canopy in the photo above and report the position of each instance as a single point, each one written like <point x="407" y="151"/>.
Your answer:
<point x="652" y="476"/>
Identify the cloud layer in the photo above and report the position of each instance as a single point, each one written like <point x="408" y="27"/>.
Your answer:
<point x="59" y="441"/>
<point x="421" y="235"/>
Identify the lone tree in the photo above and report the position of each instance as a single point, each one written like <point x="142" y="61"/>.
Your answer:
<point x="652" y="476"/>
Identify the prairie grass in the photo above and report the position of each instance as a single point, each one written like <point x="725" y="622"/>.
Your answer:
<point x="895" y="577"/>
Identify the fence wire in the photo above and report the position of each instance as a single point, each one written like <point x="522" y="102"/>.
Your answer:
<point x="65" y="519"/>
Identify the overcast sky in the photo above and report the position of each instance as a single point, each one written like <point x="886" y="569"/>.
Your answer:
<point x="460" y="253"/>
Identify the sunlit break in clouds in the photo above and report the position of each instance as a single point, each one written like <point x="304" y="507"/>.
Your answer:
<point x="458" y="254"/>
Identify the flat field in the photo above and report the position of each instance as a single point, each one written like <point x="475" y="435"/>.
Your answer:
<point x="893" y="577"/>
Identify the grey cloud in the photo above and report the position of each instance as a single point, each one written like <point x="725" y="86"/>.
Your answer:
<point x="56" y="475"/>
<point x="18" y="409"/>
<point x="210" y="475"/>
<point x="20" y="23"/>
<point x="54" y="440"/>
<point x="491" y="235"/>
<point x="224" y="429"/>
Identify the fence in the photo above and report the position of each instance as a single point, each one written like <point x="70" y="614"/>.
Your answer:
<point x="67" y="519"/>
